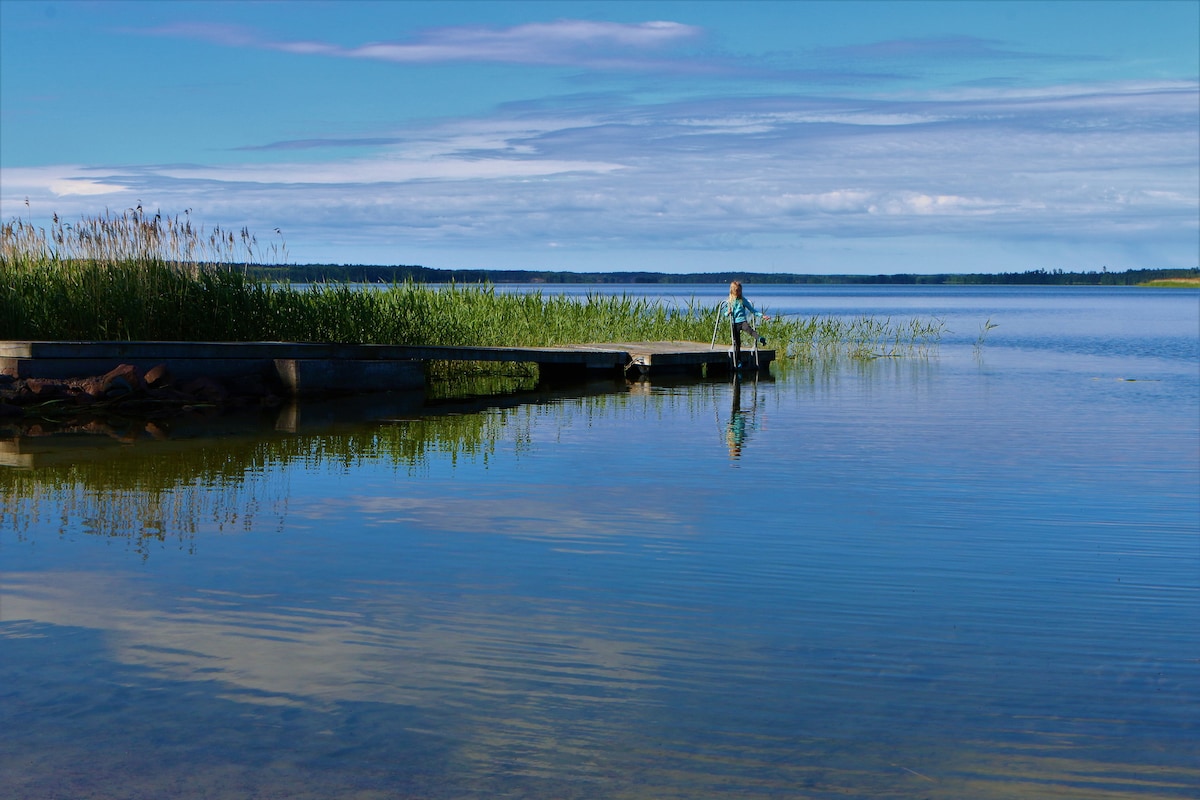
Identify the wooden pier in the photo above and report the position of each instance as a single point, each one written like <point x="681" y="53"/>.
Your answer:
<point x="316" y="368"/>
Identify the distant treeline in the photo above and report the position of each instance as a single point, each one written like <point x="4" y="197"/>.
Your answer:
<point x="313" y="273"/>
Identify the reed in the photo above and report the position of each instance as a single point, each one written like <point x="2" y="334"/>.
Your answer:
<point x="1174" y="283"/>
<point x="153" y="278"/>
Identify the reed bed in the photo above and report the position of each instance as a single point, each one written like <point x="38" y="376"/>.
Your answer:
<point x="136" y="277"/>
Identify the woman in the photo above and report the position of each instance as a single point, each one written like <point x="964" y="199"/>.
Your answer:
<point x="741" y="312"/>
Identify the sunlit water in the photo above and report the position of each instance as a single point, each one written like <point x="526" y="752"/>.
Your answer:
<point x="974" y="574"/>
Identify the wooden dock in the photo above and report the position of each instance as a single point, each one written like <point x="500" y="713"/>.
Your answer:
<point x="653" y="358"/>
<point x="317" y="368"/>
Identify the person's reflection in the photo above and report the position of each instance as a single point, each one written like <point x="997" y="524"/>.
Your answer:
<point x="735" y="431"/>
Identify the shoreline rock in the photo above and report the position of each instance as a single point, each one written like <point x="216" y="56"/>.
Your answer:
<point x="126" y="390"/>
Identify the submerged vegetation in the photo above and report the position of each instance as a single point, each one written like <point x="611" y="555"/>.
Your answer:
<point x="141" y="277"/>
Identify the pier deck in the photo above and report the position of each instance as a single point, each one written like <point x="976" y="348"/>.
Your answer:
<point x="315" y="367"/>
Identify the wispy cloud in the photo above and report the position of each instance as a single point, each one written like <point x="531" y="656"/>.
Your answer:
<point x="321" y="144"/>
<point x="711" y="175"/>
<point x="576" y="43"/>
<point x="959" y="48"/>
<point x="663" y="48"/>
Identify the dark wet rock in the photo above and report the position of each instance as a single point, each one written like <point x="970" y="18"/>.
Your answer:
<point x="206" y="390"/>
<point x="157" y="377"/>
<point x="92" y="388"/>
<point x="122" y="380"/>
<point x="43" y="390"/>
<point x="170" y="395"/>
<point x="125" y="401"/>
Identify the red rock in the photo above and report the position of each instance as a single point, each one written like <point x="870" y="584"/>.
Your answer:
<point x="44" y="389"/>
<point x="157" y="376"/>
<point x="93" y="387"/>
<point x="122" y="379"/>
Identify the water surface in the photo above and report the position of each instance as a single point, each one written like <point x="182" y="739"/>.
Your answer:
<point x="972" y="574"/>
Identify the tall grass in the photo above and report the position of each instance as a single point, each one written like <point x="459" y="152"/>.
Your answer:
<point x="152" y="278"/>
<point x="127" y="276"/>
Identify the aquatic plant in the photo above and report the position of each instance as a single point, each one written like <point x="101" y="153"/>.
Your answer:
<point x="984" y="330"/>
<point x="127" y="276"/>
<point x="135" y="276"/>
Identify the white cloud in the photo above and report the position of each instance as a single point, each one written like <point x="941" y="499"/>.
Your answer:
<point x="566" y="41"/>
<point x="708" y="175"/>
<point x="581" y="43"/>
<point x="52" y="181"/>
<point x="382" y="171"/>
<point x="81" y="186"/>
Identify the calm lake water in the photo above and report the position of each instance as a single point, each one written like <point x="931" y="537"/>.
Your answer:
<point x="973" y="573"/>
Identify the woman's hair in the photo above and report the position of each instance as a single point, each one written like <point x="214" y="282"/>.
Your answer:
<point x="735" y="291"/>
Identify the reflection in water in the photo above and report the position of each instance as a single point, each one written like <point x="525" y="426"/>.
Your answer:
<point x="935" y="598"/>
<point x="741" y="421"/>
<point x="233" y="472"/>
<point x="219" y="474"/>
<point x="126" y="493"/>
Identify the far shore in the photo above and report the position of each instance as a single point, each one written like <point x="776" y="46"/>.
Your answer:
<point x="1186" y="283"/>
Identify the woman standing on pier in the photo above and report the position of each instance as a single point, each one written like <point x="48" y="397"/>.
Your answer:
<point x="741" y="313"/>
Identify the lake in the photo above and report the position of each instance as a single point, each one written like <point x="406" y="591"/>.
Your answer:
<point x="969" y="573"/>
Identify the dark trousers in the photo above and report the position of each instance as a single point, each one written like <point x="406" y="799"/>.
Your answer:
<point x="736" y="329"/>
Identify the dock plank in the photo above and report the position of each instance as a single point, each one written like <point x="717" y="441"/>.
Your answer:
<point x="56" y="359"/>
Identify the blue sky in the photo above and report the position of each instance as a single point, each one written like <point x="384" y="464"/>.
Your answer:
<point x="807" y="137"/>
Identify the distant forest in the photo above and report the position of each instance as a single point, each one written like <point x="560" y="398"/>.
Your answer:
<point x="312" y="273"/>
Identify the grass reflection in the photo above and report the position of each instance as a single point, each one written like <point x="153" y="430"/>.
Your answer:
<point x="151" y="483"/>
<point x="146" y="490"/>
<point x="145" y="495"/>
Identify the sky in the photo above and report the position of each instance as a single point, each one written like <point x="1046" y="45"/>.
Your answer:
<point x="795" y="137"/>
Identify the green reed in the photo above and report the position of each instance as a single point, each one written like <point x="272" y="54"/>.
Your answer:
<point x="135" y="276"/>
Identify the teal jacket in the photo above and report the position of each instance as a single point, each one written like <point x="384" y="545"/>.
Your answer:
<point x="741" y="310"/>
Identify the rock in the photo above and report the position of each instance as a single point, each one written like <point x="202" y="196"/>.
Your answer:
<point x="169" y="395"/>
<point x="207" y="390"/>
<point x="157" y="376"/>
<point x="126" y="392"/>
<point x="118" y="387"/>
<point x="92" y="387"/>
<point x="122" y="379"/>
<point x="43" y="389"/>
